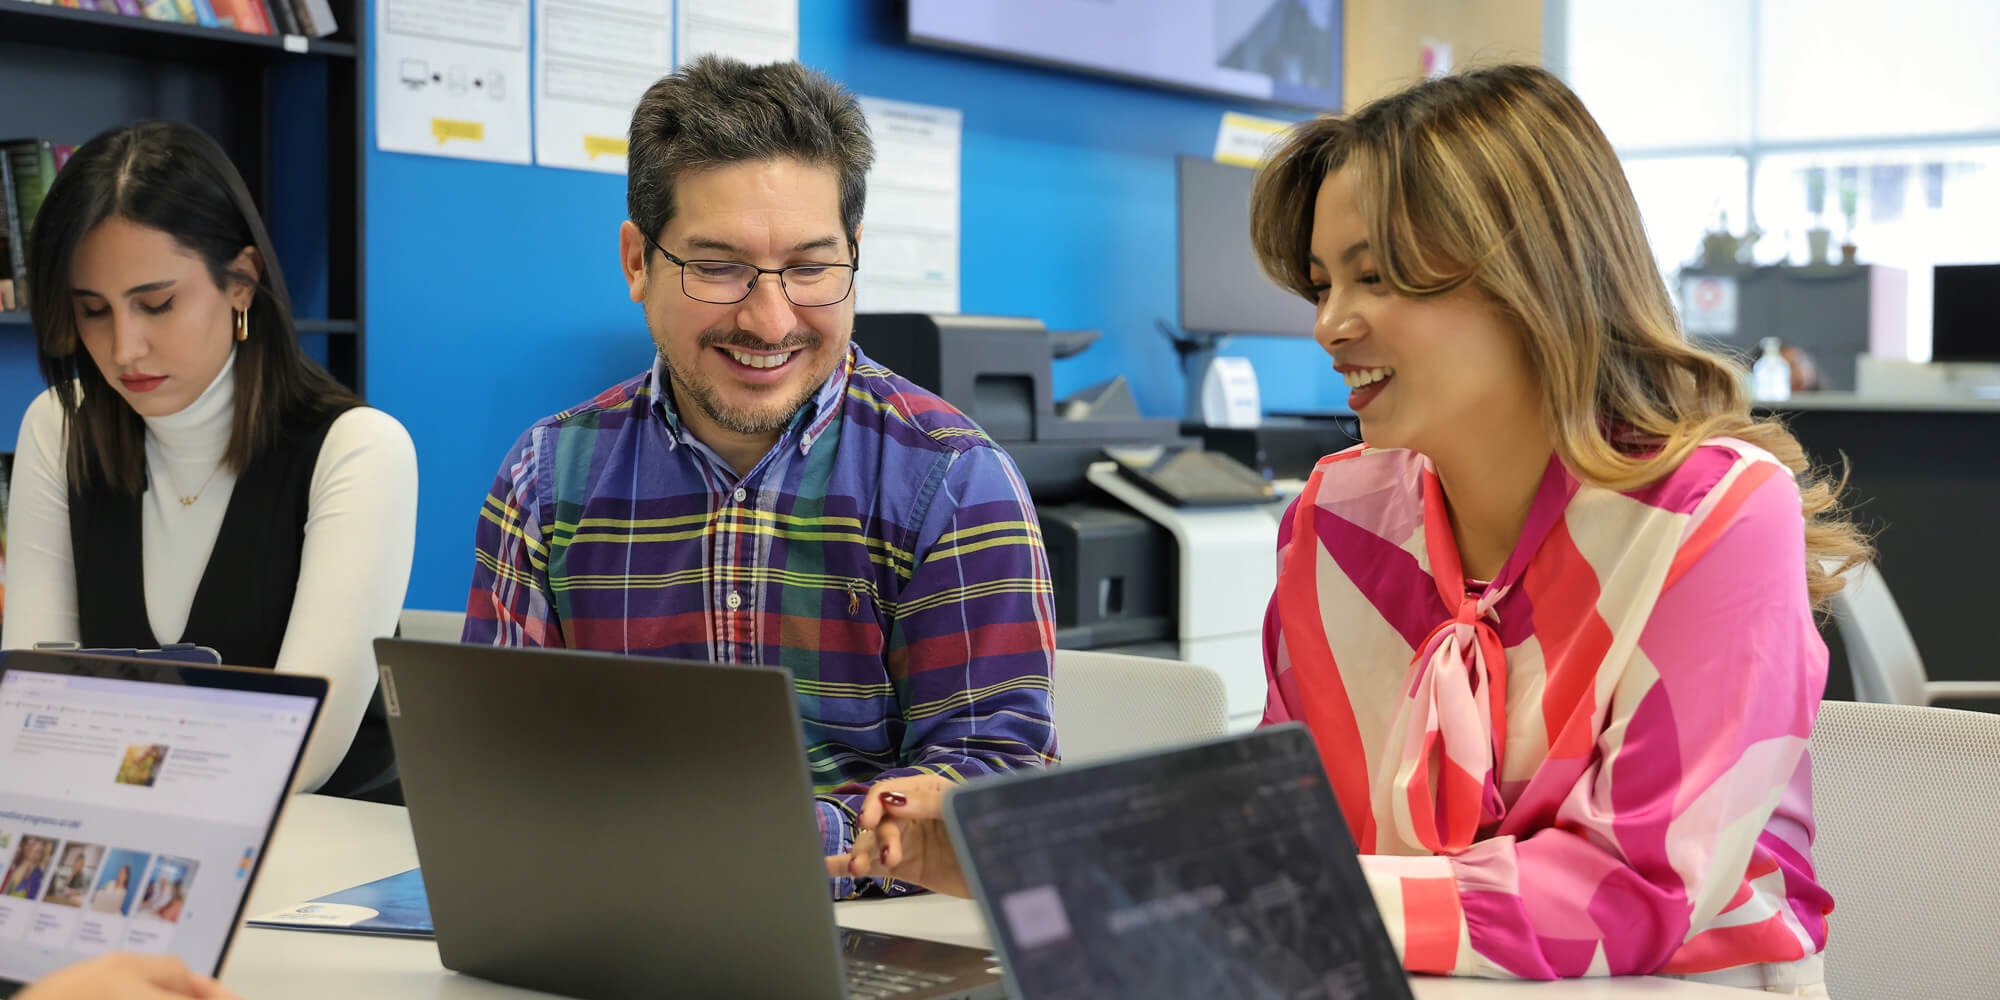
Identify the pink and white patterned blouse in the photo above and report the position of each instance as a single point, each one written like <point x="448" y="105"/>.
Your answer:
<point x="1596" y="763"/>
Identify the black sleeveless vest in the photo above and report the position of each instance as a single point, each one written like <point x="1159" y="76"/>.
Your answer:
<point x="244" y="600"/>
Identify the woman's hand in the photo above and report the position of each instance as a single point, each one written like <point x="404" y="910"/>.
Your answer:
<point x="122" y="976"/>
<point x="900" y="834"/>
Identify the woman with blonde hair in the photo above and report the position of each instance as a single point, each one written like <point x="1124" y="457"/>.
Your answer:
<point x="1551" y="625"/>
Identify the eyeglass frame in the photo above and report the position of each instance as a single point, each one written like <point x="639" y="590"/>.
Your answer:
<point x="852" y="270"/>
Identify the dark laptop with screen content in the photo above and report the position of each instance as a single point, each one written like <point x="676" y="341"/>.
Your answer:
<point x="607" y="826"/>
<point x="1219" y="870"/>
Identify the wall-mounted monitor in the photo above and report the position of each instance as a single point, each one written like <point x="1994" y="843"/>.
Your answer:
<point x="1222" y="288"/>
<point x="1281" y="51"/>
<point x="1965" y="313"/>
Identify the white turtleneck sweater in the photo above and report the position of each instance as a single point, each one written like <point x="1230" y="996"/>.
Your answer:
<point x="361" y="530"/>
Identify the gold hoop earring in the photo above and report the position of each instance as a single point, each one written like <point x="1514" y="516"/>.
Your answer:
<point x="243" y="325"/>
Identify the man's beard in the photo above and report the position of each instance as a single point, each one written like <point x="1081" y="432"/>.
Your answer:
<point x="691" y="388"/>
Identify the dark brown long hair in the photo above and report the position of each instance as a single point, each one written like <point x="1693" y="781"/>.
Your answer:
<point x="170" y="177"/>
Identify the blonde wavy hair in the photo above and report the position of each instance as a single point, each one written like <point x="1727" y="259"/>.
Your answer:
<point x="1499" y="179"/>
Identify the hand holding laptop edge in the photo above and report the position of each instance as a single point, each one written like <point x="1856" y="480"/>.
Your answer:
<point x="900" y="834"/>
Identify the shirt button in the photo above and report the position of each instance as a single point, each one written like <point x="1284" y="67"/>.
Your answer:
<point x="741" y="494"/>
<point x="735" y="600"/>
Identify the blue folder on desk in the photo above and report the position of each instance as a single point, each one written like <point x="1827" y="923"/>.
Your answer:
<point x="395" y="907"/>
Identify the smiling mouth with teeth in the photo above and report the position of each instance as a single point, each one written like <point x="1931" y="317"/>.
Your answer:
<point x="1366" y="376"/>
<point x="759" y="360"/>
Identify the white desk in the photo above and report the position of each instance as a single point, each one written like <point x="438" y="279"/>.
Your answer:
<point x="325" y="845"/>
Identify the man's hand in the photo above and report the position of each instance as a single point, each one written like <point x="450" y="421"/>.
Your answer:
<point x="121" y="976"/>
<point x="900" y="834"/>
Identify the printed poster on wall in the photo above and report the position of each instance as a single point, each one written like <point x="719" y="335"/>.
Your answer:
<point x="909" y="243"/>
<point x="451" y="78"/>
<point x="755" y="31"/>
<point x="594" y="59"/>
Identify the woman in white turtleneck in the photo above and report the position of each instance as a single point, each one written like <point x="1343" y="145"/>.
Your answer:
<point x="165" y="333"/>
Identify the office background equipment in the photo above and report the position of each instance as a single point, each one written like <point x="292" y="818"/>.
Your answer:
<point x="1219" y="869"/>
<point x="998" y="370"/>
<point x="1965" y="313"/>
<point x="1919" y="479"/>
<point x="1282" y="445"/>
<point x="1836" y="314"/>
<point x="1904" y="805"/>
<point x="1190" y="477"/>
<point x="1223" y="290"/>
<point x="1283" y="51"/>
<point x="1133" y="572"/>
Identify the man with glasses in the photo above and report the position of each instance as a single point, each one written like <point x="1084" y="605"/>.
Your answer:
<point x="766" y="494"/>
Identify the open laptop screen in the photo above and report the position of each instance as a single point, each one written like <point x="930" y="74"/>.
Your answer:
<point x="1219" y="870"/>
<point x="132" y="812"/>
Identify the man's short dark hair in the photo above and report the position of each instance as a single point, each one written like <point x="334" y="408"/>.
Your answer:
<point x="716" y="111"/>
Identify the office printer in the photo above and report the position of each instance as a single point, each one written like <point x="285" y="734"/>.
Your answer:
<point x="1134" y="570"/>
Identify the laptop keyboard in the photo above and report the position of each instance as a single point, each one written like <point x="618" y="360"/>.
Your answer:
<point x="873" y="981"/>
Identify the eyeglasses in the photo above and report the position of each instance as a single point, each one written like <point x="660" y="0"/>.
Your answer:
<point x="727" y="282"/>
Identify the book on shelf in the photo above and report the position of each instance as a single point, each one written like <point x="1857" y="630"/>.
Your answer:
<point x="315" y="17"/>
<point x="27" y="168"/>
<point x="197" y="12"/>
<point x="162" y="10"/>
<point x="284" y="20"/>
<point x="247" y="16"/>
<point x="13" y="251"/>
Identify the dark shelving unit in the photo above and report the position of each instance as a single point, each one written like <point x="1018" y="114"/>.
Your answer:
<point x="289" y="110"/>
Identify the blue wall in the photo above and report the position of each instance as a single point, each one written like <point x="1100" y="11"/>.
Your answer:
<point x="494" y="294"/>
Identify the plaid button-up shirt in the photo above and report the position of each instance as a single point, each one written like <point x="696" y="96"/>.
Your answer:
<point x="885" y="552"/>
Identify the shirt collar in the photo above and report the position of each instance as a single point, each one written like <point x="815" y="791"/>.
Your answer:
<point x="806" y="427"/>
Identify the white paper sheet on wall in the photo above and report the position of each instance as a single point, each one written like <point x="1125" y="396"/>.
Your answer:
<point x="755" y="31"/>
<point x="451" y="78"/>
<point x="909" y="258"/>
<point x="594" y="59"/>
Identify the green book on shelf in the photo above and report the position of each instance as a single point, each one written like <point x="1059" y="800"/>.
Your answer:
<point x="34" y="163"/>
<point x="14" y="226"/>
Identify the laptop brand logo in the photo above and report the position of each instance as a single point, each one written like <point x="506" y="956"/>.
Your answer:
<point x="389" y="703"/>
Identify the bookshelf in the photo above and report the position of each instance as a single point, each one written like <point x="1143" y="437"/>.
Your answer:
<point x="289" y="110"/>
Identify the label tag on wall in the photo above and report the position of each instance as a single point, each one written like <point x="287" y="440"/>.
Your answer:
<point x="1708" y="305"/>
<point x="1244" y="139"/>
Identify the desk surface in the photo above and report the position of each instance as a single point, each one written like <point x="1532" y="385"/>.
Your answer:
<point x="1885" y="404"/>
<point x="325" y="845"/>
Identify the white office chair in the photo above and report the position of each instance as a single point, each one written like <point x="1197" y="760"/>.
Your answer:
<point x="1882" y="654"/>
<point x="433" y="626"/>
<point x="1906" y="800"/>
<point x="1109" y="704"/>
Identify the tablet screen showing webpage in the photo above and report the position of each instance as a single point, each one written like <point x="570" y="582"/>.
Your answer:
<point x="131" y="814"/>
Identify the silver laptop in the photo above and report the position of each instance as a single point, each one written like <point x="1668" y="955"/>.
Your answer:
<point x="137" y="798"/>
<point x="1219" y="870"/>
<point x="609" y="826"/>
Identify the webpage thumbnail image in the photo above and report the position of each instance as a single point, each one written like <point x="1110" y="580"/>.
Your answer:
<point x="89" y="898"/>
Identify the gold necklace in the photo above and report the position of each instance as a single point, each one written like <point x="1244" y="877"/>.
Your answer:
<point x="185" y="499"/>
